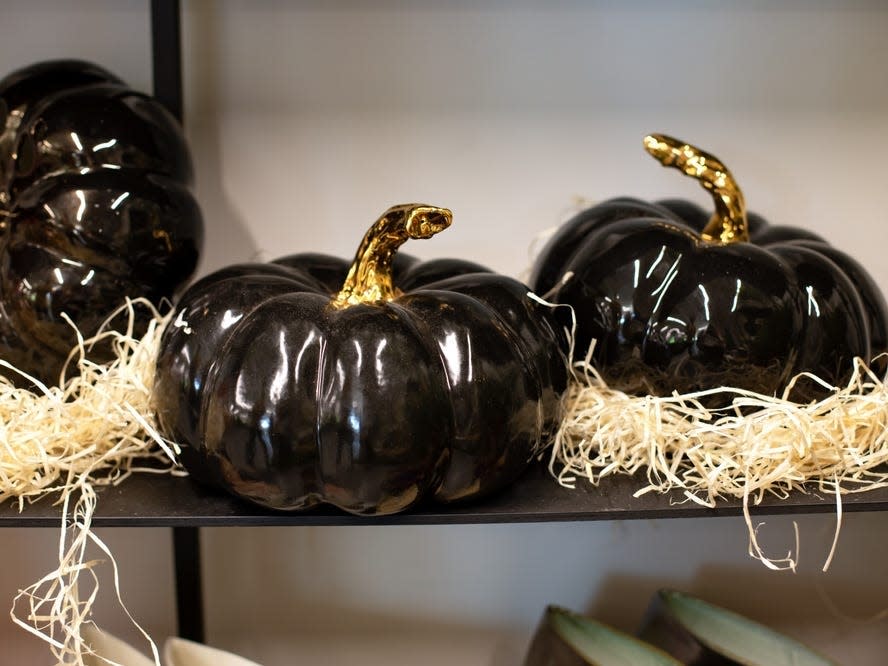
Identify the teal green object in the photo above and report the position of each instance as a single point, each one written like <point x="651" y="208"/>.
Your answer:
<point x="564" y="638"/>
<point x="701" y="634"/>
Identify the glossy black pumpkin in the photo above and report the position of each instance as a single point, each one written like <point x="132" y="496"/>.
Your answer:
<point x="94" y="191"/>
<point x="678" y="300"/>
<point x="301" y="382"/>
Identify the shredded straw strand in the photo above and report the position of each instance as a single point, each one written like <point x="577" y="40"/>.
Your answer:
<point x="94" y="429"/>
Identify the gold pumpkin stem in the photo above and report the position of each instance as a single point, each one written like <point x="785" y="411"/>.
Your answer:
<point x="728" y="224"/>
<point x="369" y="279"/>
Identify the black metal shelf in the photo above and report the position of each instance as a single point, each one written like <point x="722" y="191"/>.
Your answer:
<point x="154" y="500"/>
<point x="151" y="500"/>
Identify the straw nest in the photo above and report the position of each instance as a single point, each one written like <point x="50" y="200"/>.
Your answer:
<point x="757" y="446"/>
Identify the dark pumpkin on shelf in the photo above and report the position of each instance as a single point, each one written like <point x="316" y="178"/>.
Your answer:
<point x="96" y="207"/>
<point x="677" y="299"/>
<point x="369" y="387"/>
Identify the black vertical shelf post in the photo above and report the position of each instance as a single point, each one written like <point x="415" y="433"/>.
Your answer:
<point x="189" y="587"/>
<point x="166" y="52"/>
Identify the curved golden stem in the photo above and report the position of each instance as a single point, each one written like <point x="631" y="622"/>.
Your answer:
<point x="728" y="224"/>
<point x="369" y="279"/>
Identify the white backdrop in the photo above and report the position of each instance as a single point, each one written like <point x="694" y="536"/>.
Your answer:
<point x="308" y="119"/>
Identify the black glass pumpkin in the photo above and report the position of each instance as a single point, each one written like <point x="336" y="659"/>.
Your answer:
<point x="371" y="387"/>
<point x="96" y="207"/>
<point x="676" y="299"/>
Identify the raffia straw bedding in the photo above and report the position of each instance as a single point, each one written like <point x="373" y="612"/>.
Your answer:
<point x="760" y="445"/>
<point x="94" y="429"/>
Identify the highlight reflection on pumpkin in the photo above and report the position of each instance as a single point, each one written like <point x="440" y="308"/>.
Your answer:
<point x="678" y="300"/>
<point x="370" y="387"/>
